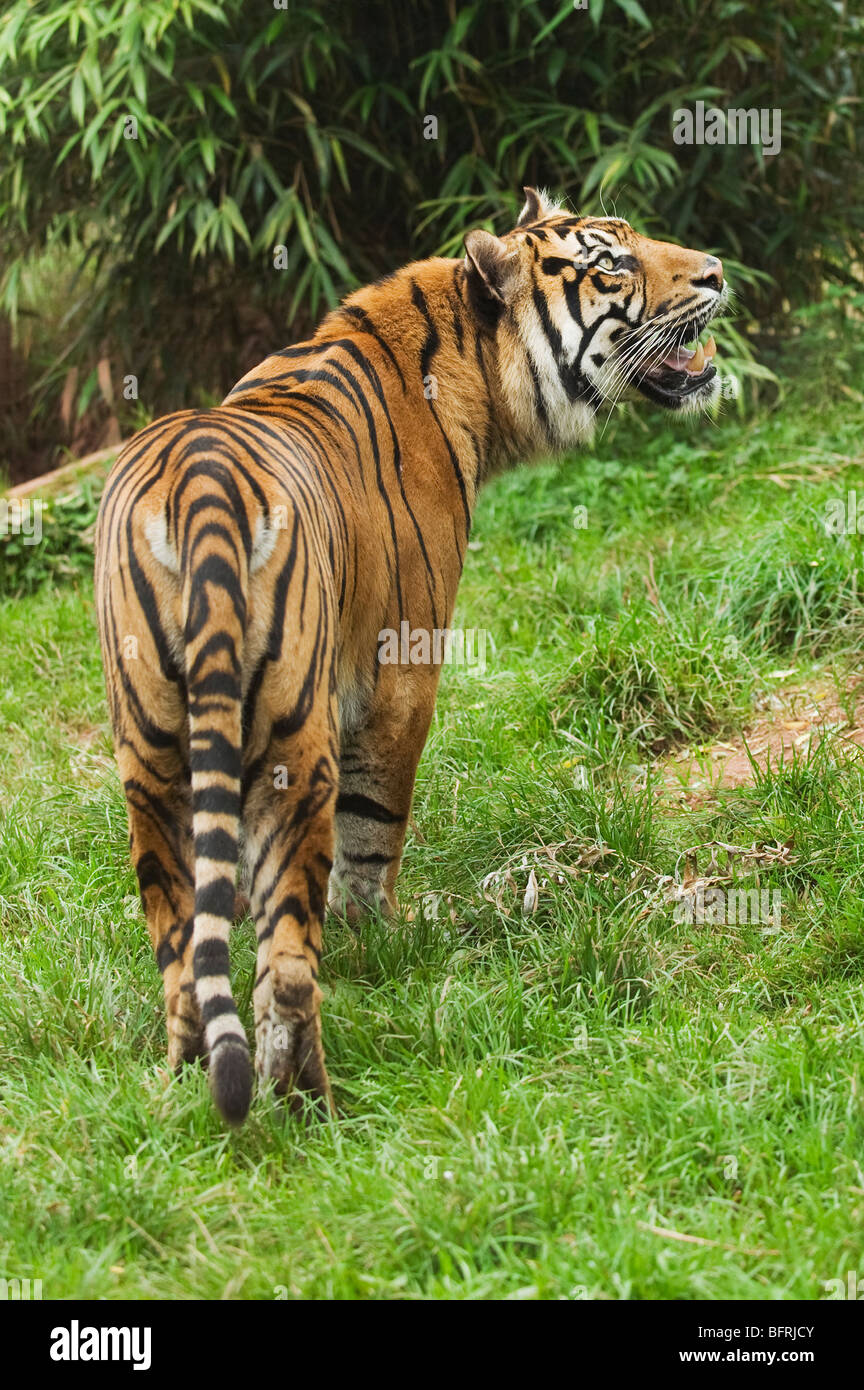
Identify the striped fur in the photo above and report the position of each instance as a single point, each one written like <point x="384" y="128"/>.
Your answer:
<point x="248" y="556"/>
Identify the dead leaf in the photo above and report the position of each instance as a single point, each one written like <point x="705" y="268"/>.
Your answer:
<point x="529" y="902"/>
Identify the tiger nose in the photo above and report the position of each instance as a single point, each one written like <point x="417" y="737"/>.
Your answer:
<point x="711" y="275"/>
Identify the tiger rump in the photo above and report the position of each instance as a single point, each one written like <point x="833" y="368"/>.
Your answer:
<point x="249" y="556"/>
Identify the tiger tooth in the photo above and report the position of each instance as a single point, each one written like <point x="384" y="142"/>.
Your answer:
<point x="710" y="348"/>
<point x="697" y="361"/>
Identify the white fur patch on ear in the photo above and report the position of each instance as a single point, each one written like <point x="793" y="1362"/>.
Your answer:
<point x="538" y="205"/>
<point x="488" y="259"/>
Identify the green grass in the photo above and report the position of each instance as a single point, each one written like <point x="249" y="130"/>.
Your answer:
<point x="525" y="1100"/>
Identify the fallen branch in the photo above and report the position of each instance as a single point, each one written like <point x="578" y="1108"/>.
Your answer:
<point x="58" y="478"/>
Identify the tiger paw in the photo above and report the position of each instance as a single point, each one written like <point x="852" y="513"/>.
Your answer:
<point x="289" y="1050"/>
<point x="355" y="902"/>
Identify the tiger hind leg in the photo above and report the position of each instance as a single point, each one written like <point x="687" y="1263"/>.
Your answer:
<point x="160" y="840"/>
<point x="378" y="764"/>
<point x="289" y="848"/>
<point x="289" y="886"/>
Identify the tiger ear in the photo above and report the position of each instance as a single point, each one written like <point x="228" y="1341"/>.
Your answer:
<point x="490" y="264"/>
<point x="537" y="206"/>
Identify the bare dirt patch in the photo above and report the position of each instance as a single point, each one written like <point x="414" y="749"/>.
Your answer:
<point x="788" y="725"/>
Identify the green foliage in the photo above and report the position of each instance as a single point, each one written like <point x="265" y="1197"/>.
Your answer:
<point x="259" y="127"/>
<point x="63" y="549"/>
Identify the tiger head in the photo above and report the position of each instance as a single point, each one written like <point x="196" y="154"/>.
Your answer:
<point x="586" y="311"/>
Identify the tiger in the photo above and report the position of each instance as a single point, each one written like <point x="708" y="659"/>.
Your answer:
<point x="249" y="556"/>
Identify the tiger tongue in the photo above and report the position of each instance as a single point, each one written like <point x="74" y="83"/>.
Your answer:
<point x="679" y="359"/>
<point x="684" y="359"/>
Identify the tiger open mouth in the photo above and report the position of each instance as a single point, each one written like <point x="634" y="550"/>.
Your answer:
<point x="681" y="373"/>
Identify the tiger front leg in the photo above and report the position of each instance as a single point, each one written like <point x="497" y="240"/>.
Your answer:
<point x="377" y="768"/>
